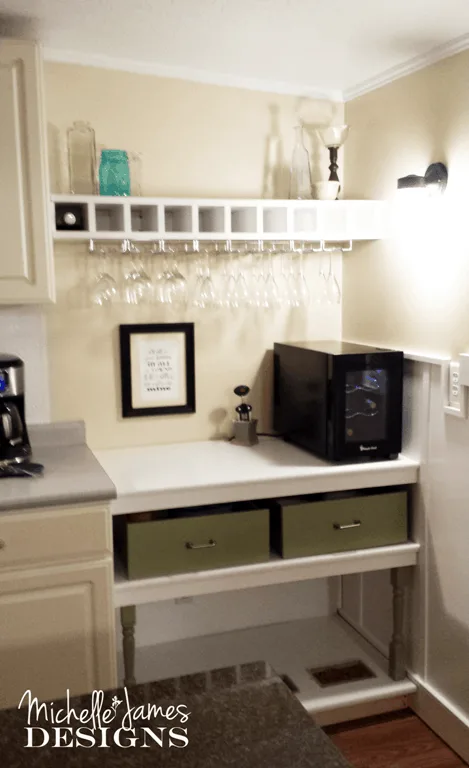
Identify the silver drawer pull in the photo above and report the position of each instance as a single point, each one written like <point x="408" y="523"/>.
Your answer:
<point x="355" y="524"/>
<point x="2" y="544"/>
<point x="211" y="543"/>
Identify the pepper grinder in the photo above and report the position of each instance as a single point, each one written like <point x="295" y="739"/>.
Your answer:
<point x="244" y="427"/>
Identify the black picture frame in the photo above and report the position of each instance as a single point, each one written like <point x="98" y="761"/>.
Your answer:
<point x="131" y="368"/>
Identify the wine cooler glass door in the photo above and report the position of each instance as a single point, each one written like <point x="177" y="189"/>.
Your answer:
<point x="366" y="413"/>
<point x="366" y="405"/>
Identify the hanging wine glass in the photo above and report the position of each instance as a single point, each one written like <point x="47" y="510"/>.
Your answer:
<point x="332" y="286"/>
<point x="205" y="296"/>
<point x="242" y="290"/>
<point x="104" y="291"/>
<point x="174" y="287"/>
<point x="301" y="284"/>
<point x="257" y="280"/>
<point x="138" y="287"/>
<point x="321" y="295"/>
<point x="271" y="291"/>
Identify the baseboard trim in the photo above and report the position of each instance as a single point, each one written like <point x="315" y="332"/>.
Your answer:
<point x="360" y="711"/>
<point x="449" y="723"/>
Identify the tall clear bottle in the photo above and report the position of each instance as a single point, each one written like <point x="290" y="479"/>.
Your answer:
<point x="300" y="170"/>
<point x="82" y="158"/>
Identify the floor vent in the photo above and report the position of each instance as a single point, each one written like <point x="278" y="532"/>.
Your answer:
<point x="338" y="674"/>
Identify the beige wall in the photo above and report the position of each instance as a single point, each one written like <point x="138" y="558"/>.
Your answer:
<point x="196" y="140"/>
<point x="411" y="291"/>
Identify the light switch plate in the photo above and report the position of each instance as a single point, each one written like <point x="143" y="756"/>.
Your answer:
<point x="464" y="370"/>
<point x="454" y="391"/>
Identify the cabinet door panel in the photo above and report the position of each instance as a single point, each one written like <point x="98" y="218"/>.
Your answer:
<point x="26" y="265"/>
<point x="56" y="632"/>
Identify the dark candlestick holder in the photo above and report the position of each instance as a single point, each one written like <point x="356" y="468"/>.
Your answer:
<point x="334" y="166"/>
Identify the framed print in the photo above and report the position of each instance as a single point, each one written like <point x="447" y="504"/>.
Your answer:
<point x="157" y="369"/>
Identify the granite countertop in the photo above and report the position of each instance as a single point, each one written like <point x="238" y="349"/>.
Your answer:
<point x="244" y="717"/>
<point x="72" y="474"/>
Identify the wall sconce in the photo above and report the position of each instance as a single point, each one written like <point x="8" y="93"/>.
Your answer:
<point x="434" y="181"/>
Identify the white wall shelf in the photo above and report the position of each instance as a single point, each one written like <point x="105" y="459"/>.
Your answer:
<point x="151" y="218"/>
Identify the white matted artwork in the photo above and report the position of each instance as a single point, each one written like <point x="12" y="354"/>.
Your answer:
<point x="157" y="369"/>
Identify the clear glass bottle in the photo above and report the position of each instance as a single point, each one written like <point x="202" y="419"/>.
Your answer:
<point x="135" y="165"/>
<point x="300" y="171"/>
<point x="82" y="158"/>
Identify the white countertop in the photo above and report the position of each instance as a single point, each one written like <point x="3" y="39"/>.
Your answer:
<point x="215" y="472"/>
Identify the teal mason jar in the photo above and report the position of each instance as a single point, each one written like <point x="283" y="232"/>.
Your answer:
<point x="114" y="173"/>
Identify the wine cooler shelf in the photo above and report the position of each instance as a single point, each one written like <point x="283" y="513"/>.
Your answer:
<point x="77" y="217"/>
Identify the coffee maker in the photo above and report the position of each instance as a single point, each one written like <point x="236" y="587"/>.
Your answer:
<point x="14" y="443"/>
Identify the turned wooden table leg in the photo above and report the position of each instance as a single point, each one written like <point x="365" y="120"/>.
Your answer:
<point x="397" y="647"/>
<point x="128" y="620"/>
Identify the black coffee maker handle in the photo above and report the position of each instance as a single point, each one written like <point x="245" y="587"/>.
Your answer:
<point x="11" y="424"/>
<point x="6" y="427"/>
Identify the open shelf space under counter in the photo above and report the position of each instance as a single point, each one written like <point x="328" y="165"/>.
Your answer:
<point x="147" y="218"/>
<point x="291" y="649"/>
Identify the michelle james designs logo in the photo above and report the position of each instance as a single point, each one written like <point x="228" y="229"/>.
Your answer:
<point x="101" y="725"/>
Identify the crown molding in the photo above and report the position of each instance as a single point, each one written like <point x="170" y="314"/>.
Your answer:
<point x="206" y="77"/>
<point x="457" y="45"/>
<point x="187" y="73"/>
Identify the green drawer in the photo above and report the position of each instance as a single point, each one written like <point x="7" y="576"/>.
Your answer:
<point x="196" y="543"/>
<point x="320" y="527"/>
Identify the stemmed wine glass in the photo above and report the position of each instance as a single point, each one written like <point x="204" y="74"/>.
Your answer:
<point x="170" y="284"/>
<point x="138" y="287"/>
<point x="235" y="292"/>
<point x="271" y="295"/>
<point x="296" y="292"/>
<point x="242" y="288"/>
<point x="333" y="293"/>
<point x="302" y="290"/>
<point x="288" y="292"/>
<point x="205" y="296"/>
<point x="104" y="291"/>
<point x="320" y="285"/>
<point x="257" y="280"/>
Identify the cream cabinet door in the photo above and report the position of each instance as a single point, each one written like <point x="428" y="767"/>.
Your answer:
<point x="26" y="255"/>
<point x="56" y="631"/>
